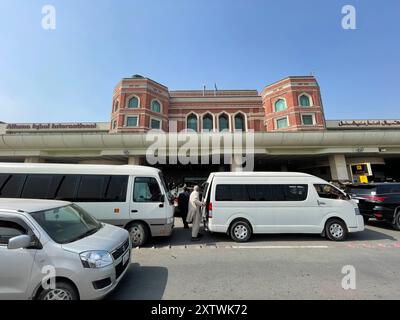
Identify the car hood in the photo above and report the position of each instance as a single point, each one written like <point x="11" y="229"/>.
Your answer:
<point x="107" y="238"/>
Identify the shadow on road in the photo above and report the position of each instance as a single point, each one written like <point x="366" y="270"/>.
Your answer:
<point x="141" y="283"/>
<point x="181" y="237"/>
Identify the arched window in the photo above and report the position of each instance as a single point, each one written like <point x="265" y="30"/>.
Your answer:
<point x="192" y="122"/>
<point x="304" y="100"/>
<point x="239" y="122"/>
<point x="280" y="105"/>
<point x="208" y="124"/>
<point x="155" y="106"/>
<point x="133" y="102"/>
<point x="223" y="122"/>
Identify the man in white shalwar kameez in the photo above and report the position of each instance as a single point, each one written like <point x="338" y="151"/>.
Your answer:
<point x="194" y="213"/>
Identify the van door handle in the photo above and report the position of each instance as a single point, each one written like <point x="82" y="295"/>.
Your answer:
<point x="320" y="203"/>
<point x="134" y="211"/>
<point x="161" y="205"/>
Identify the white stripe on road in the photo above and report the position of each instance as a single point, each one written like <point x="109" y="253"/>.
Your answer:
<point x="279" y="247"/>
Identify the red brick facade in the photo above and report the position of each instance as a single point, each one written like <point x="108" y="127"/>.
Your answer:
<point x="140" y="104"/>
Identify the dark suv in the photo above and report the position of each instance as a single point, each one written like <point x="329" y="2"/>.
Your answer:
<point x="378" y="200"/>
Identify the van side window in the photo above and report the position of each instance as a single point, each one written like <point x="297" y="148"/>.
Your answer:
<point x="91" y="188"/>
<point x="261" y="192"/>
<point x="9" y="230"/>
<point x="116" y="189"/>
<point x="12" y="186"/>
<point x="66" y="189"/>
<point x="235" y="192"/>
<point x="37" y="186"/>
<point x="146" y="190"/>
<point x="327" y="191"/>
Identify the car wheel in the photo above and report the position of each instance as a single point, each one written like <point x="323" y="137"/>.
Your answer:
<point x="240" y="231"/>
<point x="138" y="233"/>
<point x="396" y="224"/>
<point x="336" y="230"/>
<point x="62" y="291"/>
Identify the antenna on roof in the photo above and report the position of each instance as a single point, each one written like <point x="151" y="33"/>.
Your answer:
<point x="215" y="89"/>
<point x="204" y="90"/>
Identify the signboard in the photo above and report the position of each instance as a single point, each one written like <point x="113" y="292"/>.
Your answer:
<point x="49" y="126"/>
<point x="363" y="179"/>
<point x="343" y="124"/>
<point x="14" y="128"/>
<point x="361" y="169"/>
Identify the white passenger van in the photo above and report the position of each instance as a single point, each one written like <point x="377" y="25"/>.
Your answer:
<point x="133" y="197"/>
<point x="243" y="203"/>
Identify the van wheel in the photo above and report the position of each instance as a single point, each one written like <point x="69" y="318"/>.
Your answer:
<point x="396" y="224"/>
<point x="138" y="233"/>
<point x="240" y="231"/>
<point x="366" y="219"/>
<point x="62" y="291"/>
<point x="336" y="230"/>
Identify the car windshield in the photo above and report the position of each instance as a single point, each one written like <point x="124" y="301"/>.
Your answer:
<point x="67" y="224"/>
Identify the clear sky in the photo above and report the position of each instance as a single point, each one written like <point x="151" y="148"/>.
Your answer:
<point x="69" y="74"/>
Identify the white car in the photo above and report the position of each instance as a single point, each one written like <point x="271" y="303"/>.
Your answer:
<point x="243" y="203"/>
<point x="54" y="250"/>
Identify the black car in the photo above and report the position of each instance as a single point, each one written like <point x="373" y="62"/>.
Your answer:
<point x="378" y="200"/>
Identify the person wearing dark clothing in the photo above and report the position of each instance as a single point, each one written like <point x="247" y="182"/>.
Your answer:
<point x="183" y="205"/>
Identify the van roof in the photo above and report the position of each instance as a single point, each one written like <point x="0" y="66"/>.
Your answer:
<point x="30" y="205"/>
<point x="74" y="168"/>
<point x="262" y="174"/>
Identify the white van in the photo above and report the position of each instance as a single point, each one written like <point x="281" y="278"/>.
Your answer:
<point x="243" y="203"/>
<point x="133" y="197"/>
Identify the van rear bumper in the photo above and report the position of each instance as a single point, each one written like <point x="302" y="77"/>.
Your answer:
<point x="360" y="224"/>
<point x="217" y="228"/>
<point x="162" y="229"/>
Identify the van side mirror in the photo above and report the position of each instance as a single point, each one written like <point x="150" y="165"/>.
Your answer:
<point x="162" y="198"/>
<point x="19" y="242"/>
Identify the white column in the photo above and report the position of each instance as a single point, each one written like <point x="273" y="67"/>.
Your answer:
<point x="338" y="167"/>
<point x="236" y="165"/>
<point x="134" y="160"/>
<point x="33" y="160"/>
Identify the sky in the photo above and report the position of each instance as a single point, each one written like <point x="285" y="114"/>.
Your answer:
<point x="68" y="74"/>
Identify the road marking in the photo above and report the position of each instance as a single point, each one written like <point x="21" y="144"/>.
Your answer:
<point x="279" y="247"/>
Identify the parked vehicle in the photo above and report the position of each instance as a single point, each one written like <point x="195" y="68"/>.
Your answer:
<point x="244" y="203"/>
<point x="378" y="200"/>
<point x="43" y="238"/>
<point x="133" y="197"/>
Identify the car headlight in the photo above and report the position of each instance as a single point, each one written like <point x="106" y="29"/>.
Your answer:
<point x="96" y="259"/>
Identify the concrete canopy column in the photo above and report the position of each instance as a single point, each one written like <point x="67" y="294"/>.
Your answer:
<point x="134" y="160"/>
<point x="34" y="160"/>
<point x="237" y="163"/>
<point x="337" y="163"/>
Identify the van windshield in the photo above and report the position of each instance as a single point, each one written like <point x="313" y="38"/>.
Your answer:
<point x="67" y="224"/>
<point x="165" y="186"/>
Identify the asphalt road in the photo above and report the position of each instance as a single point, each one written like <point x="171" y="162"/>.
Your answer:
<point x="268" y="267"/>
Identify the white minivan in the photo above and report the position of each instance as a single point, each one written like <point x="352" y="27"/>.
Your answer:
<point x="243" y="203"/>
<point x="133" y="197"/>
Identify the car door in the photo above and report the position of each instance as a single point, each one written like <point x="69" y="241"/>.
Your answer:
<point x="148" y="202"/>
<point x="16" y="265"/>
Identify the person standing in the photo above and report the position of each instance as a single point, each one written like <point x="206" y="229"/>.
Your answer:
<point x="194" y="213"/>
<point x="183" y="205"/>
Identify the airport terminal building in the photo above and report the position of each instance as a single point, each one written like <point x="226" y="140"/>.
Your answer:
<point x="286" y="121"/>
